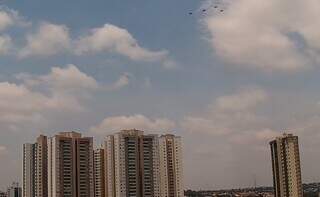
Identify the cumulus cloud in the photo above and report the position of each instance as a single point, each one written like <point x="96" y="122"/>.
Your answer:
<point x="68" y="79"/>
<point x="62" y="90"/>
<point x="267" y="35"/>
<point x="123" y="81"/>
<point x="240" y="101"/>
<point x="48" y="40"/>
<point x="5" y="44"/>
<point x="111" y="38"/>
<point x="9" y="18"/>
<point x="6" y="20"/>
<point x="230" y="114"/>
<point x="137" y="121"/>
<point x="17" y="103"/>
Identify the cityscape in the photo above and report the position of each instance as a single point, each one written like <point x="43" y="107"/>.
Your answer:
<point x="159" y="98"/>
<point x="129" y="164"/>
<point x="132" y="163"/>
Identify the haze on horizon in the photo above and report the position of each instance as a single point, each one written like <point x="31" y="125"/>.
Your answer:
<point x="226" y="82"/>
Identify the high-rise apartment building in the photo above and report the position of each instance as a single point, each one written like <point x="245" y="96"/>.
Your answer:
<point x="99" y="174"/>
<point x="286" y="166"/>
<point x="109" y="166"/>
<point x="41" y="170"/>
<point x="170" y="166"/>
<point x="35" y="168"/>
<point x="135" y="163"/>
<point x="28" y="186"/>
<point x="129" y="164"/>
<point x="70" y="165"/>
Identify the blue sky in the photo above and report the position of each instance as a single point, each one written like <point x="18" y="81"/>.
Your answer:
<point x="226" y="82"/>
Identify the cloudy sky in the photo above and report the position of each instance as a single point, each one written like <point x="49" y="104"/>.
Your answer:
<point x="226" y="82"/>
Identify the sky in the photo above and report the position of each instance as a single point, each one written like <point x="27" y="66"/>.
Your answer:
<point x="227" y="82"/>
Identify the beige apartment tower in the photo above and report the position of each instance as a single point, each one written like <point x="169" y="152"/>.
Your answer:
<point x="99" y="174"/>
<point x="129" y="164"/>
<point x="109" y="163"/>
<point x="170" y="166"/>
<point x="138" y="165"/>
<point x="286" y="166"/>
<point x="70" y="165"/>
<point x="35" y="168"/>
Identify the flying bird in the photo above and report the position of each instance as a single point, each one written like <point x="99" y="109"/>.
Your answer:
<point x="216" y="4"/>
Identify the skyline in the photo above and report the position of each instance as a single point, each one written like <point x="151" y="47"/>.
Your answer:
<point x="227" y="83"/>
<point x="129" y="164"/>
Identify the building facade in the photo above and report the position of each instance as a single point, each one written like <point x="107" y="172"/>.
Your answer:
<point x="41" y="170"/>
<point x="70" y="165"/>
<point x="35" y="168"/>
<point x="143" y="165"/>
<point x="28" y="186"/>
<point x="131" y="164"/>
<point x="170" y="166"/>
<point x="14" y="190"/>
<point x="3" y="194"/>
<point x="109" y="166"/>
<point x="99" y="174"/>
<point x="286" y="166"/>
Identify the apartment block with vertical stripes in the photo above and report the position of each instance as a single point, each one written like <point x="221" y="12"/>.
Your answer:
<point x="286" y="166"/>
<point x="35" y="168"/>
<point x="130" y="164"/>
<point x="143" y="165"/>
<point x="70" y="165"/>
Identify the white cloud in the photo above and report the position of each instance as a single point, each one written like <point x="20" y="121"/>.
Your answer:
<point x="51" y="39"/>
<point x="170" y="64"/>
<point x="243" y="100"/>
<point x="266" y="134"/>
<point x="6" y="20"/>
<point x="268" y="35"/>
<point x="117" y="123"/>
<point x="230" y="114"/>
<point x="9" y="18"/>
<point x="48" y="40"/>
<point x="111" y="38"/>
<point x="123" y="81"/>
<point x="17" y="103"/>
<point x="68" y="79"/>
<point x="62" y="90"/>
<point x="5" y="44"/>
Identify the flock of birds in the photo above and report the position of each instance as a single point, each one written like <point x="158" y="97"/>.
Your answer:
<point x="216" y="5"/>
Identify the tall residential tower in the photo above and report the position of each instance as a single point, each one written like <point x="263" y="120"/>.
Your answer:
<point x="99" y="174"/>
<point x="35" y="168"/>
<point x="286" y="166"/>
<point x="170" y="166"/>
<point x="143" y="165"/>
<point x="70" y="165"/>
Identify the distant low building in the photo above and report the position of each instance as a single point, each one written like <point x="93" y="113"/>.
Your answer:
<point x="3" y="194"/>
<point x="14" y="190"/>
